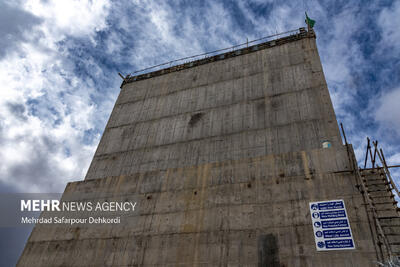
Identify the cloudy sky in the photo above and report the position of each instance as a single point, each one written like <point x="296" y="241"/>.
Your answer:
<point x="59" y="62"/>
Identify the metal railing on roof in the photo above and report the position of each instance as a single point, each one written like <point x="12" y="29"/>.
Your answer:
<point x="211" y="53"/>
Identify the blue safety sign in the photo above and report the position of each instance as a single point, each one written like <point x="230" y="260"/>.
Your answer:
<point x="339" y="243"/>
<point x="336" y="233"/>
<point x="335" y="223"/>
<point x="330" y="205"/>
<point x="331" y="225"/>
<point x="332" y="214"/>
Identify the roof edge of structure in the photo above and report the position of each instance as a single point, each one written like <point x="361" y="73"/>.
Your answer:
<point x="301" y="33"/>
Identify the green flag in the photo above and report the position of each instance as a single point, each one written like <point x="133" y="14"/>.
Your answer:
<point x="310" y="21"/>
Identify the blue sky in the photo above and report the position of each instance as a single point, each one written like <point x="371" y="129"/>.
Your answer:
<point x="60" y="59"/>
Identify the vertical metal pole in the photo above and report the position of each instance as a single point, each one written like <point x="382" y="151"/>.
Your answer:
<point x="366" y="154"/>
<point x="344" y="135"/>
<point x="370" y="154"/>
<point x="373" y="160"/>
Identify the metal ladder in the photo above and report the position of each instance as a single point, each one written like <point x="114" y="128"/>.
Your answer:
<point x="377" y="186"/>
<point x="378" y="189"/>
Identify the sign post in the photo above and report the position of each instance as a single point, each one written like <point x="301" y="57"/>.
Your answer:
<point x="331" y="225"/>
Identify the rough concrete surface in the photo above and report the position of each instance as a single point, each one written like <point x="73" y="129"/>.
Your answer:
<point x="223" y="160"/>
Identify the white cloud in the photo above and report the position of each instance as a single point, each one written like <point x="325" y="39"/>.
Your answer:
<point x="341" y="55"/>
<point x="70" y="17"/>
<point x="388" y="111"/>
<point x="389" y="21"/>
<point x="45" y="108"/>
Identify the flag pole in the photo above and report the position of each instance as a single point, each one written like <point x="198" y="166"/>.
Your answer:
<point x="308" y="24"/>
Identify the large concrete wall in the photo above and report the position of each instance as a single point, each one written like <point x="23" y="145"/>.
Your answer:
<point x="267" y="102"/>
<point x="251" y="212"/>
<point x="229" y="187"/>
